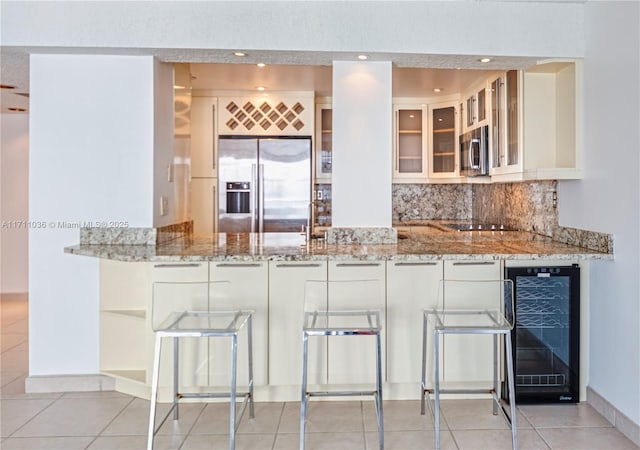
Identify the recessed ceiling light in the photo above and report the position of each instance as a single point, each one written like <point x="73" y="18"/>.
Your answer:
<point x="261" y="64"/>
<point x="485" y="60"/>
<point x="411" y="116"/>
<point x="363" y="57"/>
<point x="239" y="53"/>
<point x="17" y="109"/>
<point x="437" y="89"/>
<point x="260" y="88"/>
<point x="6" y="86"/>
<point x="439" y="119"/>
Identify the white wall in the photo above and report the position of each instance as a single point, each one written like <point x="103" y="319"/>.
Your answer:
<point x="91" y="159"/>
<point x="362" y="128"/>
<point x="14" y="202"/>
<point x="608" y="199"/>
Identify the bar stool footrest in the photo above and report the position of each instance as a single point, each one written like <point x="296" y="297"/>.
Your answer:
<point x="340" y="393"/>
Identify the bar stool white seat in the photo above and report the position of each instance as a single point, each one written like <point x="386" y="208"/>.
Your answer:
<point x="334" y="308"/>
<point x="188" y="310"/>
<point x="465" y="307"/>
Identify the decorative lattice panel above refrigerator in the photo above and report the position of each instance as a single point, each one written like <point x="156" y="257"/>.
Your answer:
<point x="266" y="115"/>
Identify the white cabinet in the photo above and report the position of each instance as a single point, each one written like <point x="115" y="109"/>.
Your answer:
<point x="126" y="331"/>
<point x="287" y="280"/>
<point x="411" y="287"/>
<point x="204" y="205"/>
<point x="204" y="164"/>
<point x="469" y="358"/>
<point x="536" y="123"/>
<point x="505" y="137"/>
<point x="443" y="140"/>
<point x="249" y="290"/>
<point x="552" y="120"/>
<point x="203" y="137"/>
<point x="324" y="142"/>
<point x="190" y="281"/>
<point x="351" y="359"/>
<point x="126" y="343"/>
<point x="279" y="113"/>
<point x="474" y="109"/>
<point x="409" y="142"/>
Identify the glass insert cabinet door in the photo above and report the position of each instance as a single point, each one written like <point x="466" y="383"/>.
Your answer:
<point x="512" y="117"/>
<point x="409" y="152"/>
<point x="505" y="148"/>
<point x="443" y="141"/>
<point x="324" y="142"/>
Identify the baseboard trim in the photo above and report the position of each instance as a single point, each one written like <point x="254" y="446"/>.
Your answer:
<point x="68" y="383"/>
<point x="622" y="423"/>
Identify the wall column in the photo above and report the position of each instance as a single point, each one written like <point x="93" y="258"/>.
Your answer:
<point x="92" y="143"/>
<point x="362" y="156"/>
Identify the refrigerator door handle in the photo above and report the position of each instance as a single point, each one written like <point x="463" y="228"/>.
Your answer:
<point x="261" y="198"/>
<point x="253" y="196"/>
<point x="214" y="201"/>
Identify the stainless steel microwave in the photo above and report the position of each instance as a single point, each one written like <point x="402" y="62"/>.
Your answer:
<point x="474" y="152"/>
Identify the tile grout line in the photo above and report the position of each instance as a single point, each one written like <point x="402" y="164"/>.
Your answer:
<point x="35" y="415"/>
<point x="186" y="436"/>
<point x="275" y="438"/>
<point x="99" y="434"/>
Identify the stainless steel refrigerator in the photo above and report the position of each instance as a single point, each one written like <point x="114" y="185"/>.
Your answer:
<point x="264" y="184"/>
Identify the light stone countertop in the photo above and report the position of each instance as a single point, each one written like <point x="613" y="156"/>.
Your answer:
<point x="422" y="242"/>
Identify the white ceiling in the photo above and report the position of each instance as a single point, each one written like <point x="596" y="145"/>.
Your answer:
<point x="415" y="75"/>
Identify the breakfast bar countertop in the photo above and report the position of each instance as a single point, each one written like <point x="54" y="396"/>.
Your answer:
<point x="416" y="242"/>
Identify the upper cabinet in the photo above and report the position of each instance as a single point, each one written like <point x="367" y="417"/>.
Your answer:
<point x="536" y="123"/>
<point x="323" y="142"/>
<point x="505" y="149"/>
<point x="203" y="137"/>
<point x="474" y="108"/>
<point x="443" y="140"/>
<point x="275" y="115"/>
<point x="409" y="142"/>
<point x="552" y="120"/>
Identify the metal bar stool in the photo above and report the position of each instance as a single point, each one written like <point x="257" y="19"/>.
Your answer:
<point x="327" y="312"/>
<point x="186" y="310"/>
<point x="463" y="307"/>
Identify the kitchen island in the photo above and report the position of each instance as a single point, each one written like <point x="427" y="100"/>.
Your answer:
<point x="269" y="272"/>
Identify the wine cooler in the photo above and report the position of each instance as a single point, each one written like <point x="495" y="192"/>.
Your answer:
<point x="546" y="335"/>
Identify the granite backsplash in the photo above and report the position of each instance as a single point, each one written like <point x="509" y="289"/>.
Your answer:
<point x="528" y="206"/>
<point x="411" y="202"/>
<point x="522" y="206"/>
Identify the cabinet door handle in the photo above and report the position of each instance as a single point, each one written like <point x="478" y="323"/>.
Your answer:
<point x="175" y="265"/>
<point x="239" y="265"/>
<point x="213" y="137"/>
<point x="372" y="264"/>
<point x="397" y="138"/>
<point x="474" y="263"/>
<point x="416" y="264"/>
<point x="299" y="265"/>
<point x="214" y="212"/>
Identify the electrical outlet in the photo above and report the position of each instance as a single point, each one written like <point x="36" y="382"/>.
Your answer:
<point x="170" y="173"/>
<point x="164" y="206"/>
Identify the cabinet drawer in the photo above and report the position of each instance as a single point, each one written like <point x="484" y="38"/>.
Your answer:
<point x="168" y="272"/>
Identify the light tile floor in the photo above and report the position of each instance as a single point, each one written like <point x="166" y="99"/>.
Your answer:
<point x="114" y="421"/>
